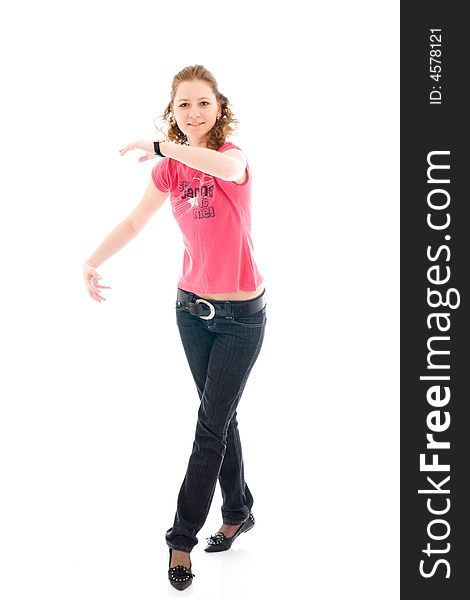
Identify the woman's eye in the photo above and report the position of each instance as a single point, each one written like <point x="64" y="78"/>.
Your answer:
<point x="185" y="103"/>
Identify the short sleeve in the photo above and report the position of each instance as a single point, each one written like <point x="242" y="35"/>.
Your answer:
<point x="161" y="175"/>
<point x="229" y="146"/>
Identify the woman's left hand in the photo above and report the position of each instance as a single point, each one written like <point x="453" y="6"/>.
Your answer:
<point x="144" y="145"/>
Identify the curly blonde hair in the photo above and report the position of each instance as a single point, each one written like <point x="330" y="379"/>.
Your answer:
<point x="224" y="127"/>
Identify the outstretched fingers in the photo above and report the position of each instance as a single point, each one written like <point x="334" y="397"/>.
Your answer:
<point x="126" y="149"/>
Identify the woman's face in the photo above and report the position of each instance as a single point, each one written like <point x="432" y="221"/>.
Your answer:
<point x="195" y="109"/>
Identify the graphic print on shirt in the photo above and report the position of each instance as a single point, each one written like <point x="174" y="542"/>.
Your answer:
<point x="195" y="196"/>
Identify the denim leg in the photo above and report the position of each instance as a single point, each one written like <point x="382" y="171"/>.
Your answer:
<point x="236" y="495"/>
<point x="197" y="344"/>
<point x="234" y="349"/>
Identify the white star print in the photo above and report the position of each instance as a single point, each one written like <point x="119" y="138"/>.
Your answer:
<point x="192" y="202"/>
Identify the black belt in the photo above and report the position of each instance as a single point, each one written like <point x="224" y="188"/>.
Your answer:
<point x="207" y="309"/>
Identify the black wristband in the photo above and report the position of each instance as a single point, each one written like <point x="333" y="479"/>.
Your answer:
<point x="156" y="147"/>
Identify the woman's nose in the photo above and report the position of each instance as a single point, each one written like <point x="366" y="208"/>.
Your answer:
<point x="193" y="112"/>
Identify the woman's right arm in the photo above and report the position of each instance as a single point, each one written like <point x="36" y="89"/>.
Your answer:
<point x="152" y="200"/>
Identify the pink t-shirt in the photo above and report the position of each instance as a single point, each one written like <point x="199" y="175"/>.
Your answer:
<point x="215" y="218"/>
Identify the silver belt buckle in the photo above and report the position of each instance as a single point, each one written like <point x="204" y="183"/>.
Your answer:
<point x="211" y="308"/>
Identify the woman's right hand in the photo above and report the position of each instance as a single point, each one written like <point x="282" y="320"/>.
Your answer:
<point x="144" y="145"/>
<point x="91" y="277"/>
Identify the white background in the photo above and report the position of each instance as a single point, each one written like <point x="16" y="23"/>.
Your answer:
<point x="98" y="407"/>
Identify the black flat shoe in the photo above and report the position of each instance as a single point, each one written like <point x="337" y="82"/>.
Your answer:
<point x="180" y="577"/>
<point x="220" y="542"/>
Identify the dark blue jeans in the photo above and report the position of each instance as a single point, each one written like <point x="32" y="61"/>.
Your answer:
<point x="221" y="353"/>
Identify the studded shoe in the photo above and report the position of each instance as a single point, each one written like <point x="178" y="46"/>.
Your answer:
<point x="180" y="577"/>
<point x="220" y="542"/>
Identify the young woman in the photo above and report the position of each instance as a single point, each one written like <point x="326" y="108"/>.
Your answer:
<point x="220" y="301"/>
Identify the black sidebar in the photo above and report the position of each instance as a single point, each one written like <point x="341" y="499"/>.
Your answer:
<point x="434" y="302"/>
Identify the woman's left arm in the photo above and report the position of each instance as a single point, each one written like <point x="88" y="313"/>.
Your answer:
<point x="229" y="165"/>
